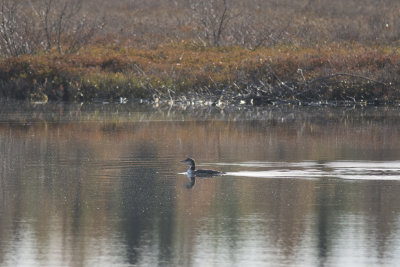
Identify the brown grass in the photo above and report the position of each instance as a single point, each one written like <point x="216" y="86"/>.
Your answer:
<point x="112" y="72"/>
<point x="291" y="50"/>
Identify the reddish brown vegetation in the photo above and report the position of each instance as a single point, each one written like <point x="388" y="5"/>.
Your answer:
<point x="257" y="52"/>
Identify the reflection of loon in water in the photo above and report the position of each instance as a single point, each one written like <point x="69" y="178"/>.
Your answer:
<point x="192" y="179"/>
<point x="199" y="173"/>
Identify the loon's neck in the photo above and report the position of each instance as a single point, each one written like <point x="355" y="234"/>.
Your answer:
<point x="192" y="165"/>
<point x="191" y="169"/>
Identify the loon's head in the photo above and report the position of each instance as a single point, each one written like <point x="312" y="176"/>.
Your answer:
<point x="188" y="161"/>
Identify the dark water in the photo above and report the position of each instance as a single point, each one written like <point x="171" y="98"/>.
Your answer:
<point x="102" y="185"/>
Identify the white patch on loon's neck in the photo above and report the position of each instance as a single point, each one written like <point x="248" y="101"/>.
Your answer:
<point x="191" y="170"/>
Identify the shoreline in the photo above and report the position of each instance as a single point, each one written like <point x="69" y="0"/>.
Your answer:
<point x="184" y="71"/>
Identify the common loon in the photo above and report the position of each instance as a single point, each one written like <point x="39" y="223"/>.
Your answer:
<point x="200" y="173"/>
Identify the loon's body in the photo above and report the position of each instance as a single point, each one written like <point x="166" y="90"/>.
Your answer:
<point x="200" y="173"/>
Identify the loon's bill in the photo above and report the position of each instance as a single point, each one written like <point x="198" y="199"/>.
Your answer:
<point x="200" y="173"/>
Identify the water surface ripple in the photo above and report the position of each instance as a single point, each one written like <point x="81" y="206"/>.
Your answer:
<point x="102" y="185"/>
<point x="352" y="170"/>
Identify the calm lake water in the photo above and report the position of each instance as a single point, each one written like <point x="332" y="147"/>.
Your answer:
<point x="102" y="185"/>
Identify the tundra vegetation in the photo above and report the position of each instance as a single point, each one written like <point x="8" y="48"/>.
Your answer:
<point x="221" y="51"/>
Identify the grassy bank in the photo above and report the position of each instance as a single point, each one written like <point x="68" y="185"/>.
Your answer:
<point x="225" y="51"/>
<point x="178" y="70"/>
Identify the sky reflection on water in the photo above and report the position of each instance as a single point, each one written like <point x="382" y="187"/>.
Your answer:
<point x="351" y="170"/>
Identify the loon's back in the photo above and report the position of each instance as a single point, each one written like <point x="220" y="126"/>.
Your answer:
<point x="206" y="173"/>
